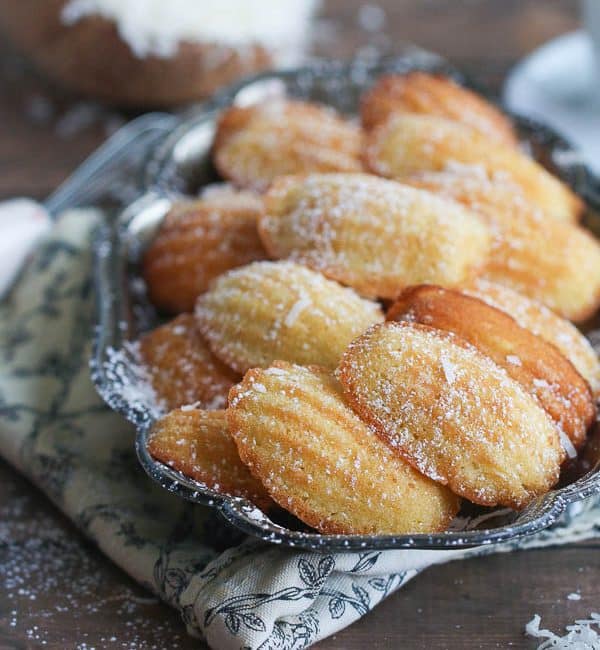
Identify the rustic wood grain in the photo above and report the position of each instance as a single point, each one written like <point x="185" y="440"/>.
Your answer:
<point x="57" y="590"/>
<point x="80" y="599"/>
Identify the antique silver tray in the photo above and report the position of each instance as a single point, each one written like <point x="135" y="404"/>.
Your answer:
<point x="179" y="166"/>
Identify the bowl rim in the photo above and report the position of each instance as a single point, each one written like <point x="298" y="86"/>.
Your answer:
<point x="109" y="265"/>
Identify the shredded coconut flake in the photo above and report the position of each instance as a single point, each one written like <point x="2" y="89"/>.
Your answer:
<point x="580" y="635"/>
<point x="191" y="407"/>
<point x="449" y="370"/>
<point x="513" y="359"/>
<point x="297" y="308"/>
<point x="155" y="27"/>
<point x="567" y="445"/>
<point x="540" y="383"/>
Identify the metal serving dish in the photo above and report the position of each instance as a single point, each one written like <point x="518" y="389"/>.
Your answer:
<point x="180" y="166"/>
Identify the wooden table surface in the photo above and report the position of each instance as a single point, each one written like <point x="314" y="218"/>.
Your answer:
<point x="58" y="591"/>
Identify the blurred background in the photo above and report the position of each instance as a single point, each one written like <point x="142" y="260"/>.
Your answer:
<point x="58" y="57"/>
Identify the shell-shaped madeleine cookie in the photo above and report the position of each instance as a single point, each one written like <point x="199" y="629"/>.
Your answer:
<point x="198" y="241"/>
<point x="280" y="310"/>
<point x="197" y="443"/>
<point x="182" y="368"/>
<point x="372" y="234"/>
<point x="409" y="144"/>
<point x="545" y="323"/>
<point x="452" y="413"/>
<point x="473" y="187"/>
<point x="536" y="364"/>
<point x="421" y="92"/>
<point x="321" y="462"/>
<point x="554" y="262"/>
<point x="253" y="145"/>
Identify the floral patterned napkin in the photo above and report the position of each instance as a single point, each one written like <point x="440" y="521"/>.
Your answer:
<point x="233" y="592"/>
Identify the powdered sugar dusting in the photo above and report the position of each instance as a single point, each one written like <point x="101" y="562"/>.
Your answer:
<point x="266" y="311"/>
<point x="319" y="460"/>
<point x="182" y="368"/>
<point x="50" y="577"/>
<point x="372" y="234"/>
<point x="534" y="316"/>
<point x="130" y="380"/>
<point x="443" y="415"/>
<point x="282" y="137"/>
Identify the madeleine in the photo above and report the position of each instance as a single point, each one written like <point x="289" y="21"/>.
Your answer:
<point x="374" y="235"/>
<point x="409" y="144"/>
<point x="432" y="94"/>
<point x="545" y="323"/>
<point x="536" y="364"/>
<point x="280" y="310"/>
<point x="452" y="413"/>
<point x="550" y="261"/>
<point x="197" y="443"/>
<point x="254" y="145"/>
<point x="181" y="367"/>
<point x="320" y="461"/>
<point x="197" y="241"/>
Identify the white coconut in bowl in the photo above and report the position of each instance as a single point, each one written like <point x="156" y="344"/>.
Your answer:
<point x="155" y="53"/>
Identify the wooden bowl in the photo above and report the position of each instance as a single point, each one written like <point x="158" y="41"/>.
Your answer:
<point x="90" y="57"/>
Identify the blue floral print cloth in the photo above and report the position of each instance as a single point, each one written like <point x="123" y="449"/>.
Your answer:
<point x="232" y="592"/>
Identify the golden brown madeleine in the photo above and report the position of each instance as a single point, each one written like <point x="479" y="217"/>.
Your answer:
<point x="182" y="368"/>
<point x="452" y="413"/>
<point x="253" y="145"/>
<point x="321" y="462"/>
<point x="375" y="235"/>
<point x="197" y="443"/>
<point x="545" y="323"/>
<point x="198" y="241"/>
<point x="554" y="262"/>
<point x="473" y="187"/>
<point x="536" y="364"/>
<point x="410" y="144"/>
<point x="431" y="94"/>
<point x="280" y="310"/>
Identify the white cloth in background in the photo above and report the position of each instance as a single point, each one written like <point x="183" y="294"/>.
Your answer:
<point x="558" y="84"/>
<point x="22" y="223"/>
